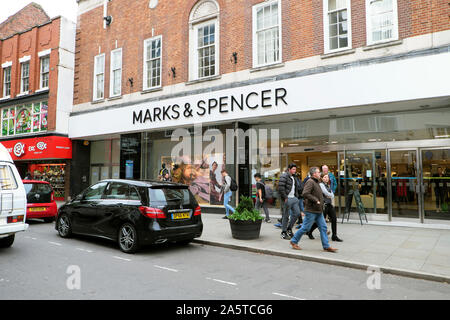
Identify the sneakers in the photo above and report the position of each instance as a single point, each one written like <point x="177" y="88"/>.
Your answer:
<point x="290" y="233"/>
<point x="285" y="236"/>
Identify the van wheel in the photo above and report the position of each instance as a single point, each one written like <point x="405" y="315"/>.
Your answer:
<point x="64" y="226"/>
<point x="7" y="242"/>
<point x="128" y="239"/>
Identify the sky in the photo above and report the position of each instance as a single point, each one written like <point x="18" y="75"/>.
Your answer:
<point x="66" y="8"/>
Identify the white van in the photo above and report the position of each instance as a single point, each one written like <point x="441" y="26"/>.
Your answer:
<point x="13" y="200"/>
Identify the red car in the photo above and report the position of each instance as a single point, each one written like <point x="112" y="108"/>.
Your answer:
<point x="40" y="200"/>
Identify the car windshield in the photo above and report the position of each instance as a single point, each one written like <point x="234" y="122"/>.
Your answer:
<point x="38" y="192"/>
<point x="166" y="196"/>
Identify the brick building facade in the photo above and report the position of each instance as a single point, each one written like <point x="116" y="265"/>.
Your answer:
<point x="36" y="87"/>
<point x="330" y="75"/>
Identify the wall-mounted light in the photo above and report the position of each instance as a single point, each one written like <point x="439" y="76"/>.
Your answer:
<point x="173" y="70"/>
<point x="233" y="57"/>
<point x="108" y="20"/>
<point x="130" y="80"/>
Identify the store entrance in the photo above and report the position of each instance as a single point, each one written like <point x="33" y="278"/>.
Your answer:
<point x="306" y="160"/>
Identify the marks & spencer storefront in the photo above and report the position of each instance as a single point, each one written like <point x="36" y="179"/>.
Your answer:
<point x="387" y="136"/>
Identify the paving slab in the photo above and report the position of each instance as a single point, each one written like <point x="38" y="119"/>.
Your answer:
<point x="407" y="251"/>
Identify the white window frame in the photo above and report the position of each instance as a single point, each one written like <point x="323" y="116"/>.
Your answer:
<point x="216" y="48"/>
<point x="5" y="96"/>
<point x="145" y="75"/>
<point x="326" y="26"/>
<point x="255" y="38"/>
<point x="22" y="78"/>
<point x="41" y="72"/>
<point x="111" y="75"/>
<point x="94" y="93"/>
<point x="369" y="39"/>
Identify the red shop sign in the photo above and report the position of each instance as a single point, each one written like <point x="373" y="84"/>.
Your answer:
<point x="51" y="147"/>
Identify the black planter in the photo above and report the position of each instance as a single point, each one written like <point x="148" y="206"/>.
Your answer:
<point x="245" y="229"/>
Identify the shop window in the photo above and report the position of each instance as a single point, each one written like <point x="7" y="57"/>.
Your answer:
<point x="24" y="119"/>
<point x="266" y="33"/>
<point x="54" y="173"/>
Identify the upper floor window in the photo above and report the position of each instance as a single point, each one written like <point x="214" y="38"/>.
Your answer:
<point x="99" y="77"/>
<point x="266" y="33"/>
<point x="25" y="77"/>
<point x="382" y="21"/>
<point x="23" y="119"/>
<point x="152" y="63"/>
<point x="337" y="26"/>
<point x="116" y="73"/>
<point x="7" y="82"/>
<point x="45" y="69"/>
<point x="204" y="40"/>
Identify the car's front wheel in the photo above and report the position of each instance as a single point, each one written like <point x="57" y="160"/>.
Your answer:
<point x="128" y="238"/>
<point x="64" y="226"/>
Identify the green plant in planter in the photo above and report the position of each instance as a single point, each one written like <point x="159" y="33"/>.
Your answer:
<point x="246" y="211"/>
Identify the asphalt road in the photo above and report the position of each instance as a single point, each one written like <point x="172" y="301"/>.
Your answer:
<point x="41" y="265"/>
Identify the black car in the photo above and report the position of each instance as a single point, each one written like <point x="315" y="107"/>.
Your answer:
<point x="133" y="213"/>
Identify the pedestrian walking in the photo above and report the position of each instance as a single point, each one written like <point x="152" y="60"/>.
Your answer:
<point x="227" y="193"/>
<point x="261" y="201"/>
<point x="333" y="181"/>
<point x="329" y="210"/>
<point x="300" y="185"/>
<point x="288" y="190"/>
<point x="313" y="195"/>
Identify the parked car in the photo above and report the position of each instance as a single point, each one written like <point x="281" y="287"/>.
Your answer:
<point x="133" y="213"/>
<point x="13" y="201"/>
<point x="40" y="200"/>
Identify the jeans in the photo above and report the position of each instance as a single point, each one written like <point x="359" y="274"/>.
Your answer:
<point x="291" y="204"/>
<point x="226" y="199"/>
<point x="309" y="220"/>
<point x="262" y="204"/>
<point x="330" y="213"/>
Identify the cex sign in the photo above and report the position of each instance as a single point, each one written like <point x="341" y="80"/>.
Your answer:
<point x="51" y="147"/>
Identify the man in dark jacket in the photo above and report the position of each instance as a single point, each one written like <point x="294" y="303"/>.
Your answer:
<point x="288" y="190"/>
<point x="312" y="193"/>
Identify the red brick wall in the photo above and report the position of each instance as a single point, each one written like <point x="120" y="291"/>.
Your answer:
<point x="29" y="44"/>
<point x="302" y="32"/>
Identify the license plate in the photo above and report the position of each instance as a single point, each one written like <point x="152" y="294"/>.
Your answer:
<point x="180" y="215"/>
<point x="37" y="209"/>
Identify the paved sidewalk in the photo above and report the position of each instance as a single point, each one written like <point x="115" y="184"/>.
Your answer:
<point x="407" y="251"/>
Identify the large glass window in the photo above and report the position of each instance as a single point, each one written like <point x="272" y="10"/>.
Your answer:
<point x="267" y="33"/>
<point x="24" y="119"/>
<point x="152" y="62"/>
<point x="105" y="160"/>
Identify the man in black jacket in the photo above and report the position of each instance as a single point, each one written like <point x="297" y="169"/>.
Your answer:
<point x="288" y="190"/>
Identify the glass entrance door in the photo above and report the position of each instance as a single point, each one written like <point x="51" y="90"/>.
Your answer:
<point x="404" y="189"/>
<point x="436" y="183"/>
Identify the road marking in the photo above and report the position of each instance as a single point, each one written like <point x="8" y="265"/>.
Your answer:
<point x="84" y="250"/>
<point x="55" y="243"/>
<point x="120" y="258"/>
<point x="164" y="268"/>
<point x="222" y="281"/>
<point x="286" y="296"/>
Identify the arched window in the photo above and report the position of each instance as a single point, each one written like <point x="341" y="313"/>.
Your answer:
<point x="204" y="40"/>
